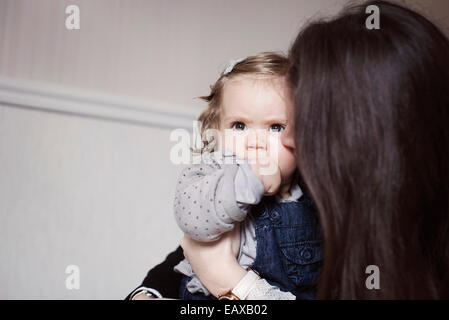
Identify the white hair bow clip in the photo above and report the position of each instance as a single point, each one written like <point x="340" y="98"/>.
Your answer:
<point x="231" y="65"/>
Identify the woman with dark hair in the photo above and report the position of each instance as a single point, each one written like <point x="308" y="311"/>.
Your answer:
<point x="372" y="144"/>
<point x="372" y="141"/>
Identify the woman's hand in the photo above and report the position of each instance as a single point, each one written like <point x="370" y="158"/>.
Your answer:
<point x="215" y="263"/>
<point x="143" y="296"/>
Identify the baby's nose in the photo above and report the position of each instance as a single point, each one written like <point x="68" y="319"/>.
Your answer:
<point x="257" y="139"/>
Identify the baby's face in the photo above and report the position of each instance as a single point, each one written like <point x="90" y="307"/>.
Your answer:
<point x="253" y="115"/>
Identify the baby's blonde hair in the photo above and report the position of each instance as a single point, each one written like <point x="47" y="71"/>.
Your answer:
<point x="265" y="64"/>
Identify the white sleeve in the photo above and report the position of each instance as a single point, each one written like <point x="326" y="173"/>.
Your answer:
<point x="252" y="287"/>
<point x="262" y="290"/>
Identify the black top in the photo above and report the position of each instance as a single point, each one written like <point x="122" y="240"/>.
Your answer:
<point x="163" y="278"/>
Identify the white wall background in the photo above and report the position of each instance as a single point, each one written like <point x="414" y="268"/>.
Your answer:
<point x="85" y="118"/>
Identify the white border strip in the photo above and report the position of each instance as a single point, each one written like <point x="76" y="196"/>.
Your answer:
<point x="60" y="99"/>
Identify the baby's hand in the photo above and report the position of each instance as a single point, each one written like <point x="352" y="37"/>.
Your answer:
<point x="267" y="170"/>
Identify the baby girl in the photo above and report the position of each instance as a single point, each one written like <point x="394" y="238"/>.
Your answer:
<point x="247" y="179"/>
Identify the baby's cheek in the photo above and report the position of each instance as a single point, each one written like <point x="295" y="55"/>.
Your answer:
<point x="287" y="163"/>
<point x="235" y="143"/>
<point x="285" y="158"/>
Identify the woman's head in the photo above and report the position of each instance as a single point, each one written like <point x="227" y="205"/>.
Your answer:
<point x="372" y="142"/>
<point x="248" y="106"/>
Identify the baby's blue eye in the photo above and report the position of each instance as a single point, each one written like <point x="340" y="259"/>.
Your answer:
<point x="238" y="126"/>
<point x="277" y="127"/>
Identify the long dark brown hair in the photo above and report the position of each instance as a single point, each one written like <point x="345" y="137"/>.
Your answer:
<point x="372" y="143"/>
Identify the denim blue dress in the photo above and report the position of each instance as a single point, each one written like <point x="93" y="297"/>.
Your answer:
<point x="289" y="250"/>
